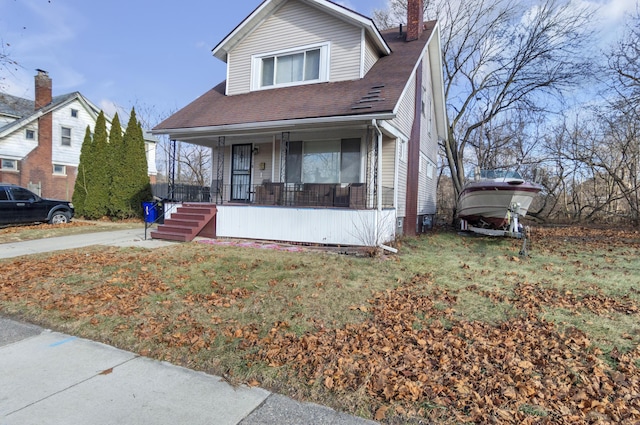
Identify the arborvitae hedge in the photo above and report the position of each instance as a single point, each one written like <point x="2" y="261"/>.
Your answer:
<point x="112" y="175"/>
<point x="83" y="179"/>
<point x="135" y="158"/>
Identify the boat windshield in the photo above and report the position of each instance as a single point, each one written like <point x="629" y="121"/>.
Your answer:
<point x="499" y="175"/>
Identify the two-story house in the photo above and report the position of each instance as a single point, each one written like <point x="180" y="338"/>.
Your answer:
<point x="40" y="140"/>
<point x="326" y="129"/>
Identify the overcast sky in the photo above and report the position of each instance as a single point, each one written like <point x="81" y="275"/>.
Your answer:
<point x="140" y="52"/>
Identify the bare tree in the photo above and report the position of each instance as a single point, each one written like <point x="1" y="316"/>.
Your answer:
<point x="7" y="63"/>
<point x="503" y="57"/>
<point x="624" y="66"/>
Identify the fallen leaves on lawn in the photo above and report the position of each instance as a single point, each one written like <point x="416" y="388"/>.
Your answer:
<point x="520" y="371"/>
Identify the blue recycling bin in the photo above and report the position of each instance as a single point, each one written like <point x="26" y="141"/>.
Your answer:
<point x="150" y="212"/>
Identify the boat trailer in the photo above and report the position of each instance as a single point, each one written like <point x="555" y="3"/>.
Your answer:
<point x="516" y="230"/>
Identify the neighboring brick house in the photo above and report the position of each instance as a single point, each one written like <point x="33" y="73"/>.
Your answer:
<point x="40" y="140"/>
<point x="326" y="129"/>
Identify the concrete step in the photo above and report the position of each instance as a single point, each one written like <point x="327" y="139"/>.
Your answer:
<point x="173" y="228"/>
<point x="180" y="237"/>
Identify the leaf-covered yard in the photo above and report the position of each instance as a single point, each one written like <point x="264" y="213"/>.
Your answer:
<point x="453" y="329"/>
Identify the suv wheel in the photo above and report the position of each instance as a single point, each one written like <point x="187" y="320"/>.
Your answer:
<point x="59" y="217"/>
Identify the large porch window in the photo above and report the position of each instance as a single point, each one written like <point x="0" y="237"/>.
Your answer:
<point x="335" y="161"/>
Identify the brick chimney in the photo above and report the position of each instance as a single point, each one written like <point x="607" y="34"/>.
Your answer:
<point x="415" y="19"/>
<point x="37" y="166"/>
<point x="43" y="89"/>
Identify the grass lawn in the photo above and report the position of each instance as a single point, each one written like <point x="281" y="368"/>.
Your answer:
<point x="10" y="234"/>
<point x="453" y="329"/>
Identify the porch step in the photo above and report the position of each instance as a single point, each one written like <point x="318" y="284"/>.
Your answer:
<point x="189" y="220"/>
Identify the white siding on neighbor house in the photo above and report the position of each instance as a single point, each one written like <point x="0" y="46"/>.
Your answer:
<point x="370" y="55"/>
<point x="70" y="155"/>
<point x="330" y="226"/>
<point x="16" y="145"/>
<point x="5" y="120"/>
<point x="294" y="25"/>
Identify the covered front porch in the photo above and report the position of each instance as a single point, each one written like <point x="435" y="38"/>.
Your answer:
<point x="316" y="185"/>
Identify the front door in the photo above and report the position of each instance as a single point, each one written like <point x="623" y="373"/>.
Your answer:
<point x="240" y="172"/>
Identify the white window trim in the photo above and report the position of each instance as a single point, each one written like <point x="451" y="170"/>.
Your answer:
<point x="256" y="66"/>
<point x="26" y="132"/>
<point x="64" y="170"/>
<point x="431" y="169"/>
<point x="74" y="113"/>
<point x="13" y="168"/>
<point x="70" y="136"/>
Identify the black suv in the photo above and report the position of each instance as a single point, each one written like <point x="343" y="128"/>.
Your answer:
<point x="19" y="205"/>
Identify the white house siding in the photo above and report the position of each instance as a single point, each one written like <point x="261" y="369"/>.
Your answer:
<point x="294" y="25"/>
<point x="70" y="155"/>
<point x="406" y="110"/>
<point x="5" y="120"/>
<point x="428" y="148"/>
<point x="330" y="226"/>
<point x="388" y="162"/>
<point x="16" y="146"/>
<point x="370" y="55"/>
<point x="404" y="122"/>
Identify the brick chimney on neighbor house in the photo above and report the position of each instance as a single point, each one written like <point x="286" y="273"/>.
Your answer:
<point x="415" y="19"/>
<point x="37" y="166"/>
<point x="43" y="89"/>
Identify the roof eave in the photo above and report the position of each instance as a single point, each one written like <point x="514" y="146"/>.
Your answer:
<point x="268" y="6"/>
<point x="270" y="126"/>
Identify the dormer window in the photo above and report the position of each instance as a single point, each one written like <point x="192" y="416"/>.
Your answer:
<point x="305" y="65"/>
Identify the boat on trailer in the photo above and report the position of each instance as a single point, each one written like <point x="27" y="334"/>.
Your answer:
<point x="492" y="202"/>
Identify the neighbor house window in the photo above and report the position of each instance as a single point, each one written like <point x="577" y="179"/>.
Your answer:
<point x="59" y="169"/>
<point x="9" y="164"/>
<point x="332" y="161"/>
<point x="74" y="113"/>
<point x="291" y="67"/>
<point x="66" y="136"/>
<point x="30" y="134"/>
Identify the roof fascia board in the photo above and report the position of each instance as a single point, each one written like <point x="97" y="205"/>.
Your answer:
<point x="393" y="131"/>
<point x="90" y="107"/>
<point x="342" y="13"/>
<point x="181" y="133"/>
<point x="266" y="9"/>
<point x="220" y="51"/>
<point x="437" y="80"/>
<point x="413" y="73"/>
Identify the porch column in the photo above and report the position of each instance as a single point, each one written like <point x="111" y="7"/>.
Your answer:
<point x="220" y="171"/>
<point x="172" y="170"/>
<point x="284" y="150"/>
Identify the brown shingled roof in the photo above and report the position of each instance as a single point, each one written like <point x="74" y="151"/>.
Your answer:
<point x="377" y="93"/>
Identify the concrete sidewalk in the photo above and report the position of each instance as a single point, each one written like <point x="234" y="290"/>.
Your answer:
<point x="52" y="378"/>
<point x="128" y="237"/>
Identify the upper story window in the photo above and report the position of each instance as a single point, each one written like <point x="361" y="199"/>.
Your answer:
<point x="291" y="67"/>
<point x="30" y="134"/>
<point x="74" y="113"/>
<point x="65" y="139"/>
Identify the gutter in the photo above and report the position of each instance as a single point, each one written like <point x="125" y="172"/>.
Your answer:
<point x="195" y="132"/>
